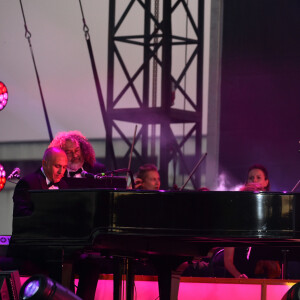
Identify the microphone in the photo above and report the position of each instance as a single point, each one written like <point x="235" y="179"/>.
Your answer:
<point x="85" y="174"/>
<point x="90" y="175"/>
<point x="14" y="174"/>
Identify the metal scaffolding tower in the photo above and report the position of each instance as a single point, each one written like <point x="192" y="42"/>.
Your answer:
<point x="158" y="44"/>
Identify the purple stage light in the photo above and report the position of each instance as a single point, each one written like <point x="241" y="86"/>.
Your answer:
<point x="31" y="289"/>
<point x="40" y="287"/>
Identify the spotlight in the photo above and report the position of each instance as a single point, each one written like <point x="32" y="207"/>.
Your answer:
<point x="293" y="293"/>
<point x="40" y="287"/>
<point x="2" y="178"/>
<point x="3" y="95"/>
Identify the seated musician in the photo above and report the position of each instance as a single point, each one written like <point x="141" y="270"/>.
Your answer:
<point x="48" y="176"/>
<point x="147" y="178"/>
<point x="53" y="170"/>
<point x="257" y="179"/>
<point x="81" y="157"/>
<point x="80" y="153"/>
<point x="238" y="261"/>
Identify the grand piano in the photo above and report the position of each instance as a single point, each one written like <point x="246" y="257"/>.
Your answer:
<point x="166" y="227"/>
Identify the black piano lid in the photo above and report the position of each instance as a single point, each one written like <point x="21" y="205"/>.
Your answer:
<point x="84" y="213"/>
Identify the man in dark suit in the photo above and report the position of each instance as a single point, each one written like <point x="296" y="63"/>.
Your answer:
<point x="81" y="157"/>
<point x="80" y="153"/>
<point x="30" y="259"/>
<point x="49" y="176"/>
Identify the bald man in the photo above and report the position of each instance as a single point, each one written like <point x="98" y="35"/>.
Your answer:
<point x="49" y="176"/>
<point x="33" y="259"/>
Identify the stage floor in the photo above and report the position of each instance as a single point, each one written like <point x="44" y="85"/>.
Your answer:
<point x="201" y="288"/>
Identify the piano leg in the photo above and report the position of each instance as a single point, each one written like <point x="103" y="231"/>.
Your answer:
<point x="284" y="263"/>
<point x="118" y="272"/>
<point x="168" y="283"/>
<point x="54" y="263"/>
<point x="169" y="270"/>
<point x="123" y="266"/>
<point x="59" y="268"/>
<point x="169" y="273"/>
<point x="129" y="280"/>
<point x="68" y="276"/>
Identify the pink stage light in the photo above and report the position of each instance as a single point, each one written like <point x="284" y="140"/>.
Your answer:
<point x="3" y="95"/>
<point x="2" y="178"/>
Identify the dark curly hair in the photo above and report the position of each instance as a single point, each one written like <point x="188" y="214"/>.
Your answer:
<point x="87" y="149"/>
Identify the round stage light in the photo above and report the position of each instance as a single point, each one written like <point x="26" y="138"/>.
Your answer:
<point x="3" y="95"/>
<point x="2" y="177"/>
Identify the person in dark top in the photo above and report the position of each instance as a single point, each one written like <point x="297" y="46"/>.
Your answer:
<point x="239" y="262"/>
<point x="81" y="157"/>
<point x="80" y="153"/>
<point x="31" y="259"/>
<point x="49" y="176"/>
<point x="257" y="179"/>
<point x="52" y="175"/>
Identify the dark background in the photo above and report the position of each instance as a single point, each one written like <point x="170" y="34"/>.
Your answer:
<point x="260" y="90"/>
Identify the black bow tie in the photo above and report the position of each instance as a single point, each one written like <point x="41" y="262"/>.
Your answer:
<point x="52" y="183"/>
<point x="72" y="174"/>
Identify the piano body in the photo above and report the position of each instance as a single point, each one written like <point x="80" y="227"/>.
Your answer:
<point x="168" y="227"/>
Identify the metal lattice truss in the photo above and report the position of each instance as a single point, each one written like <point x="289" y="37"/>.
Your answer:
<point x="129" y="97"/>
